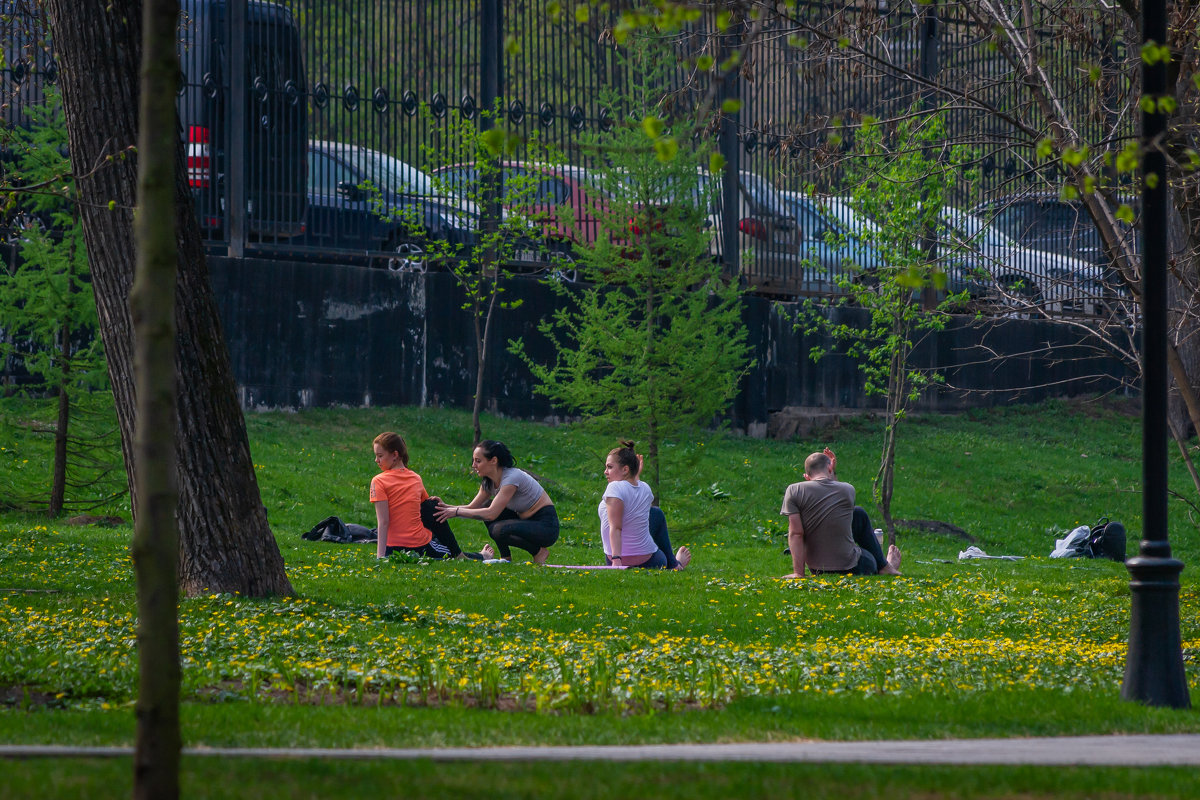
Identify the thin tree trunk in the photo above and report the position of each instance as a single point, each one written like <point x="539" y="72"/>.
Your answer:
<point x="226" y="544"/>
<point x="58" y="488"/>
<point x="481" y="342"/>
<point x="152" y="304"/>
<point x="651" y="400"/>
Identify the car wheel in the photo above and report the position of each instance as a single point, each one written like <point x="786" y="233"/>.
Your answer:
<point x="1019" y="294"/>
<point x="406" y="257"/>
<point x="562" y="268"/>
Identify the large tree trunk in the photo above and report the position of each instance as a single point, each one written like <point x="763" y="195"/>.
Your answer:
<point x="226" y="544"/>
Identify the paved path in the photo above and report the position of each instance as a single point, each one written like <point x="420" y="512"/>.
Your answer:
<point x="1124" y="751"/>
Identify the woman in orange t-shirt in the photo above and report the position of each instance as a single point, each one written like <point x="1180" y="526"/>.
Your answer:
<point x="398" y="494"/>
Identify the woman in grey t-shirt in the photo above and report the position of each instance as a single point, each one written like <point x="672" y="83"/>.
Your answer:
<point x="511" y="503"/>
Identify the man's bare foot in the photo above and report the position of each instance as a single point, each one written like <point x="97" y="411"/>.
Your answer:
<point x="683" y="556"/>
<point x="540" y="556"/>
<point x="487" y="552"/>
<point x="892" y="567"/>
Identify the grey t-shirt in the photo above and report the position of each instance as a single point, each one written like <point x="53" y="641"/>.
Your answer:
<point x="826" y="508"/>
<point x="528" y="489"/>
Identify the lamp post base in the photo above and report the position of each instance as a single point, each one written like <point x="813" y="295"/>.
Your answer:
<point x="1154" y="663"/>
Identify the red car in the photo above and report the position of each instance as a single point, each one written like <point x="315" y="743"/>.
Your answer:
<point x="567" y="201"/>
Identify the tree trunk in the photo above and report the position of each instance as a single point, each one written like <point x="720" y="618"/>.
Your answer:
<point x="152" y="306"/>
<point x="226" y="544"/>
<point x="58" y="488"/>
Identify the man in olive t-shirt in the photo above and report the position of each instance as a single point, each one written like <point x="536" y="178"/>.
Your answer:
<point x="826" y="530"/>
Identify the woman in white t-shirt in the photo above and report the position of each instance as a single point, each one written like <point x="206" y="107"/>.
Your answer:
<point x="624" y="512"/>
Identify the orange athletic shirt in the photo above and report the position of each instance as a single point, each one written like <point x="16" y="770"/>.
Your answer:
<point x="403" y="491"/>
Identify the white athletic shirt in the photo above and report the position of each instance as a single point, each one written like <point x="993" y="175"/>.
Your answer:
<point x="635" y="525"/>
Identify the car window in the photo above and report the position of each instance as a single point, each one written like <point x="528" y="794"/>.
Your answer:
<point x="459" y="180"/>
<point x="858" y="224"/>
<point x="762" y="194"/>
<point x="552" y="191"/>
<point x="325" y="173"/>
<point x="812" y="226"/>
<point x="394" y="175"/>
<point x="1012" y="220"/>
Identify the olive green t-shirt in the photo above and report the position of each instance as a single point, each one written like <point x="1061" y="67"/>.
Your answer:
<point x="826" y="508"/>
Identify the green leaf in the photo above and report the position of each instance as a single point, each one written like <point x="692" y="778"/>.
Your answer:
<point x="723" y="20"/>
<point x="554" y="11"/>
<point x="705" y="63"/>
<point x="653" y="126"/>
<point x="1166" y="104"/>
<point x="1125" y="214"/>
<point x="797" y="41"/>
<point x="716" y="163"/>
<point x="1154" y="53"/>
<point x="1073" y="157"/>
<point x="493" y="140"/>
<point x="666" y="148"/>
<point x="1127" y="159"/>
<point x="1045" y="149"/>
<point x="582" y="13"/>
<point x="1068" y="192"/>
<point x="1152" y="180"/>
<point x="731" y="106"/>
<point x="1147" y="104"/>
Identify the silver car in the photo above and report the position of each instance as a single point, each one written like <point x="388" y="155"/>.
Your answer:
<point x="1021" y="276"/>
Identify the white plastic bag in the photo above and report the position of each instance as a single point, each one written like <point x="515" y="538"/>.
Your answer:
<point x="1074" y="544"/>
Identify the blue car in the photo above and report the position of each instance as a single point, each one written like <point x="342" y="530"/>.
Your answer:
<point x="367" y="205"/>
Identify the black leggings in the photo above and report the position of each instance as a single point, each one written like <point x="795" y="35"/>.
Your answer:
<point x="864" y="536"/>
<point x="509" y="530"/>
<point x="442" y="534"/>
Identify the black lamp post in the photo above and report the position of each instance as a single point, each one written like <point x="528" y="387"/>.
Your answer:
<point x="1154" y="663"/>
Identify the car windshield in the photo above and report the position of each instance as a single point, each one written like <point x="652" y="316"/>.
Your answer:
<point x="592" y="179"/>
<point x="764" y="194"/>
<point x="393" y="174"/>
<point x="973" y="229"/>
<point x="839" y="208"/>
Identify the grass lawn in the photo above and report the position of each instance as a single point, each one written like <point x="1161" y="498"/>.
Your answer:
<point x="403" y="653"/>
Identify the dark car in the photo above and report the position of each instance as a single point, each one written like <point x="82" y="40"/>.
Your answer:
<point x="363" y="204"/>
<point x="275" y="131"/>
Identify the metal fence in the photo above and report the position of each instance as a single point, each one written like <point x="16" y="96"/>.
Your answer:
<point x="333" y="95"/>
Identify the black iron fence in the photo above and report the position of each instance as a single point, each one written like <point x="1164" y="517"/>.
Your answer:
<point x="333" y="96"/>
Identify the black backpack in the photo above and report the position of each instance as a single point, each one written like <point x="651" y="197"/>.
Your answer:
<point x="332" y="529"/>
<point x="1107" y="540"/>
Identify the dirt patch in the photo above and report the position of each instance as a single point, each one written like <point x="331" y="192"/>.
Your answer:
<point x="26" y="697"/>
<point x="935" y="526"/>
<point x="1093" y="406"/>
<point x="92" y="519"/>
